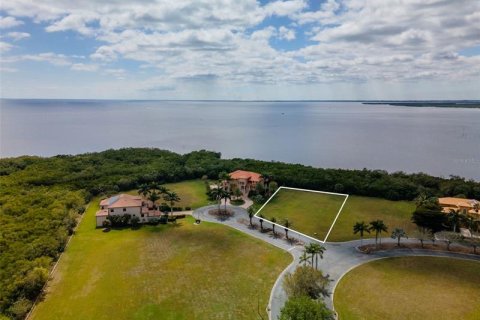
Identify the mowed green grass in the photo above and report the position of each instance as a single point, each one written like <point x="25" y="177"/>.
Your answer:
<point x="311" y="213"/>
<point x="395" y="214"/>
<point x="188" y="271"/>
<point x="410" y="288"/>
<point x="192" y="193"/>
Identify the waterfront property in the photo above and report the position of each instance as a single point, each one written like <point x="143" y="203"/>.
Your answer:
<point x="244" y="181"/>
<point x="173" y="271"/>
<point x="410" y="288"/>
<point x="124" y="204"/>
<point x="471" y="206"/>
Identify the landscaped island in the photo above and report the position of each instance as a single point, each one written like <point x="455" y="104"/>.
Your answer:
<point x="42" y="199"/>
<point x="410" y="288"/>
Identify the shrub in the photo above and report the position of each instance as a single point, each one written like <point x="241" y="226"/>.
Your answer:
<point x="306" y="281"/>
<point x="188" y="208"/>
<point x="303" y="308"/>
<point x="20" y="308"/>
<point x="135" y="221"/>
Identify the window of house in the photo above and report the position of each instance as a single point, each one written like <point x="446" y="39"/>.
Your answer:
<point x="142" y="215"/>
<point x="124" y="209"/>
<point x="111" y="210"/>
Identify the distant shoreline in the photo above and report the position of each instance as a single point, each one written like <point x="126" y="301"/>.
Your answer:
<point x="440" y="104"/>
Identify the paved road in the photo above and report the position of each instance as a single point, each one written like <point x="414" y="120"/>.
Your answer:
<point x="338" y="259"/>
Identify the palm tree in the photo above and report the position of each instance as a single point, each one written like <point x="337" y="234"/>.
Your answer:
<point x="153" y="196"/>
<point x="360" y="227"/>
<point x="287" y="224"/>
<point x="399" y="233"/>
<point x="251" y="214"/>
<point x="171" y="197"/>
<point x="260" y="219"/>
<point x="378" y="226"/>
<point x="421" y="199"/>
<point x="225" y="194"/>
<point x="310" y="250"/>
<point x="273" y="220"/>
<point x="317" y="250"/>
<point x="216" y="193"/>
<point x="454" y="216"/>
<point x="143" y="190"/>
<point x="304" y="257"/>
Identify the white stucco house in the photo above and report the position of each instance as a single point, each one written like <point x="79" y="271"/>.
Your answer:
<point x="123" y="204"/>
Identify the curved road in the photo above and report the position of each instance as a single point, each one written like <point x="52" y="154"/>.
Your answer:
<point x="338" y="259"/>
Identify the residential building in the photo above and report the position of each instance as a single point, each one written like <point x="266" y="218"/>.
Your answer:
<point x="123" y="204"/>
<point x="244" y="181"/>
<point x="469" y="205"/>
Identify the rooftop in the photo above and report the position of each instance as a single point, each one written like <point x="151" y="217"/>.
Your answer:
<point x="248" y="175"/>
<point x="122" y="201"/>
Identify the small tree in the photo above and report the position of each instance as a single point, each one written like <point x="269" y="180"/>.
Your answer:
<point x="399" y="233"/>
<point x="316" y="250"/>
<point x="135" y="221"/>
<point x="423" y="236"/>
<point x="306" y="281"/>
<point x="304" y="308"/>
<point x="304" y="258"/>
<point x="260" y="219"/>
<point x="287" y="224"/>
<point x="448" y="237"/>
<point x="251" y="214"/>
<point x="171" y="197"/>
<point x="237" y="193"/>
<point x="360" y="227"/>
<point x="274" y="220"/>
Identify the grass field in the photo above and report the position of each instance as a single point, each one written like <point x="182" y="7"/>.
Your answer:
<point x="393" y="213"/>
<point x="410" y="288"/>
<point x="188" y="271"/>
<point x="309" y="212"/>
<point x="313" y="213"/>
<point x="192" y="193"/>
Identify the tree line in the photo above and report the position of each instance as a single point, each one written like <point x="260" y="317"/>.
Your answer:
<point x="41" y="199"/>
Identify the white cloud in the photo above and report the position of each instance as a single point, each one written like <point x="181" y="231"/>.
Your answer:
<point x="84" y="67"/>
<point x="286" y="34"/>
<point x="4" y="46"/>
<point x="16" y="36"/>
<point x="221" y="41"/>
<point x="9" y="22"/>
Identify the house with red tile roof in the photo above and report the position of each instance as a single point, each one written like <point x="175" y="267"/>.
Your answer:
<point x="244" y="181"/>
<point x="471" y="206"/>
<point x="123" y="204"/>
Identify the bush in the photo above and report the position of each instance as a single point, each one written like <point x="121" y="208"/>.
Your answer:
<point x="135" y="221"/>
<point x="304" y="308"/>
<point x="188" y="208"/>
<point x="106" y="224"/>
<point x="154" y="221"/>
<point x="306" y="281"/>
<point x="20" y="308"/>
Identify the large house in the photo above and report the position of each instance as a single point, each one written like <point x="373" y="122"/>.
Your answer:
<point x="244" y="181"/>
<point x="123" y="204"/>
<point x="469" y="205"/>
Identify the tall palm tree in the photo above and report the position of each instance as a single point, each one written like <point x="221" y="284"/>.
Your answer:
<point x="216" y="193"/>
<point x="317" y="251"/>
<point x="378" y="226"/>
<point x="171" y="197"/>
<point x="153" y="196"/>
<point x="454" y="216"/>
<point x="144" y="190"/>
<point x="225" y="194"/>
<point x="360" y="227"/>
<point x="287" y="224"/>
<point x="311" y="251"/>
<point x="274" y="220"/>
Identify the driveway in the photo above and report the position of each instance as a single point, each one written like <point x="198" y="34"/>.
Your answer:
<point x="338" y="259"/>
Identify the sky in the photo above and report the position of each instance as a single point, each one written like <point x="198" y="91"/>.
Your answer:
<point x="240" y="49"/>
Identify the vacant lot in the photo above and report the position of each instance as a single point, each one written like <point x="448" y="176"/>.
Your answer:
<point x="179" y="271"/>
<point x="393" y="213"/>
<point x="410" y="288"/>
<point x="311" y="213"/>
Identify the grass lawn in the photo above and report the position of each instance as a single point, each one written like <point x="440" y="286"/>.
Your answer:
<point x="313" y="213"/>
<point x="192" y="193"/>
<point x="410" y="288"/>
<point x="309" y="212"/>
<point x="186" y="271"/>
<point x="393" y="213"/>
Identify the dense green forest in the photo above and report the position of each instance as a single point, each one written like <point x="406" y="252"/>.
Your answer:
<point x="42" y="198"/>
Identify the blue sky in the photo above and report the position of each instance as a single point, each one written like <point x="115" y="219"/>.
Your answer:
<point x="230" y="49"/>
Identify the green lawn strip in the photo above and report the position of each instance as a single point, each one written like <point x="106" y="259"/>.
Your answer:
<point x="393" y="213"/>
<point x="410" y="288"/>
<point x="310" y="213"/>
<point x="187" y="271"/>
